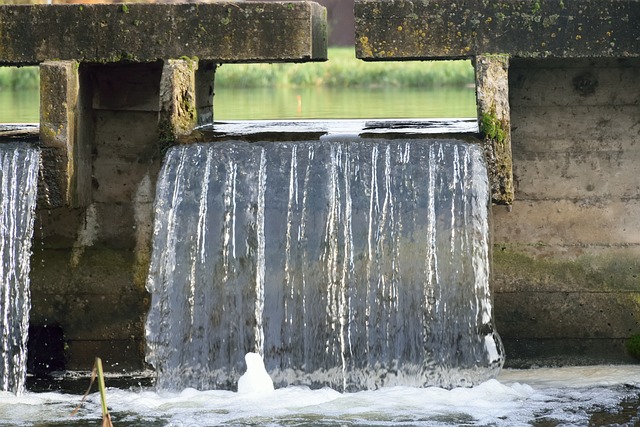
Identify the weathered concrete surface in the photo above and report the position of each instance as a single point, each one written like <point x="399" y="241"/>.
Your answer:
<point x="566" y="257"/>
<point x="419" y="29"/>
<point x="58" y="127"/>
<point x="90" y="266"/>
<point x="492" y="95"/>
<point x="178" y="99"/>
<point x="220" y="31"/>
<point x="204" y="78"/>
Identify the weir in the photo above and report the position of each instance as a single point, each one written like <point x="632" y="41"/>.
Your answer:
<point x="557" y="94"/>
<point x="346" y="262"/>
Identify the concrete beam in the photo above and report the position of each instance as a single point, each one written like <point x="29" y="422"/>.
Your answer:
<point x="449" y="29"/>
<point x="221" y="32"/>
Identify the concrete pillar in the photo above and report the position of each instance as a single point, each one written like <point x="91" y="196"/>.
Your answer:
<point x="492" y="94"/>
<point x="205" y="75"/>
<point x="177" y="100"/>
<point x="64" y="176"/>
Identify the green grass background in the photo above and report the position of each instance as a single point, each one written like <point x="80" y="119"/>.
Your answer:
<point x="341" y="70"/>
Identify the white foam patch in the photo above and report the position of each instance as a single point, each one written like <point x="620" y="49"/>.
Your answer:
<point x="564" y="396"/>
<point x="255" y="379"/>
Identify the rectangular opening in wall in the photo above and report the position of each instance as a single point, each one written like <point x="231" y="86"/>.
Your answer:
<point x="345" y="87"/>
<point x="19" y="94"/>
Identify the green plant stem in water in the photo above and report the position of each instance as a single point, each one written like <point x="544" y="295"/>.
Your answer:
<point x="106" y="417"/>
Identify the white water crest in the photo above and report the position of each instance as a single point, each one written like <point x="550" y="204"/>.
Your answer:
<point x="18" y="187"/>
<point x="346" y="262"/>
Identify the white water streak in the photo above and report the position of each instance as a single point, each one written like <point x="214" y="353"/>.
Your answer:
<point x="260" y="272"/>
<point x="201" y="243"/>
<point x="374" y="207"/>
<point x="291" y="204"/>
<point x="18" y="178"/>
<point x="347" y="268"/>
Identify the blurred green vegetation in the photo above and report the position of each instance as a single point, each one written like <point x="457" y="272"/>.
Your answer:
<point x="344" y="70"/>
<point x="19" y="78"/>
<point x="341" y="70"/>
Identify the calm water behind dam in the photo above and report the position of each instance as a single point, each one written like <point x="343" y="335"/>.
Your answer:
<point x="298" y="103"/>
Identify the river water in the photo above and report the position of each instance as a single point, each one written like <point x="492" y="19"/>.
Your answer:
<point x="298" y="103"/>
<point x="576" y="396"/>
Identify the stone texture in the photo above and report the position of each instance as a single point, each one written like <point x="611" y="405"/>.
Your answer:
<point x="421" y="29"/>
<point x="224" y="32"/>
<point x="90" y="268"/>
<point x="95" y="303"/>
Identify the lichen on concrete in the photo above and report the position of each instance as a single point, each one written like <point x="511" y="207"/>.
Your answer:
<point x="520" y="28"/>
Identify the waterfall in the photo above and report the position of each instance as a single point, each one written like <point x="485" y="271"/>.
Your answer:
<point x="18" y="186"/>
<point x="346" y="262"/>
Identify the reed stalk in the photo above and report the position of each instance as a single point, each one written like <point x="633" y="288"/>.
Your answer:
<point x="106" y="417"/>
<point x="98" y="372"/>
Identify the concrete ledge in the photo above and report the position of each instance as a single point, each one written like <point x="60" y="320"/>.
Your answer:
<point x="524" y="353"/>
<point x="421" y="29"/>
<point x="221" y="31"/>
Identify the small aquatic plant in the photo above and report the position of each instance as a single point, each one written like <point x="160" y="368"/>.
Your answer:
<point x="633" y="346"/>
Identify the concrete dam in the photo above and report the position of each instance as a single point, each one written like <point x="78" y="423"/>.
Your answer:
<point x="558" y="90"/>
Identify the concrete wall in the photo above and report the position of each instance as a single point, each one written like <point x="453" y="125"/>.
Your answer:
<point x="91" y="250"/>
<point x="567" y="253"/>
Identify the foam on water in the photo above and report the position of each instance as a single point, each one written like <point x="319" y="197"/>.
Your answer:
<point x="559" y="396"/>
<point x="255" y="379"/>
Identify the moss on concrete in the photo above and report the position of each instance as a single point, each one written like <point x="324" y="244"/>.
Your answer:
<point x="494" y="128"/>
<point x="633" y="346"/>
<point x="516" y="271"/>
<point x="99" y="300"/>
<point x="563" y="311"/>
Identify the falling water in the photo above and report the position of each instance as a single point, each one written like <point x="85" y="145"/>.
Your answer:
<point x="18" y="178"/>
<point x="350" y="263"/>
